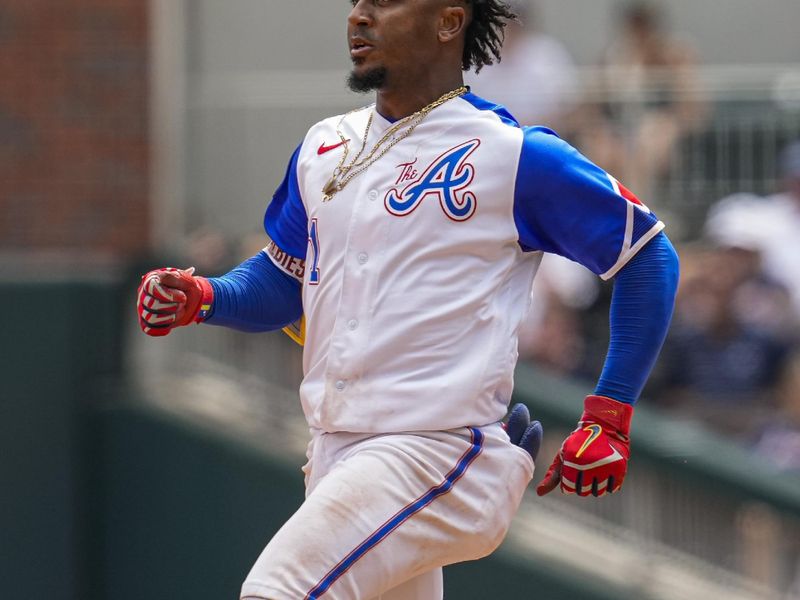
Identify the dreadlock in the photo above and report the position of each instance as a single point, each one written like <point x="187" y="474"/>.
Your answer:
<point x="485" y="32"/>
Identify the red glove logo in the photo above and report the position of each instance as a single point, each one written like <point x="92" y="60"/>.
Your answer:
<point x="594" y="433"/>
<point x="594" y="458"/>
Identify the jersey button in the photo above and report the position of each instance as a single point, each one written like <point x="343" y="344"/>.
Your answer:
<point x="373" y="195"/>
<point x="363" y="257"/>
<point x="352" y="324"/>
<point x="340" y="385"/>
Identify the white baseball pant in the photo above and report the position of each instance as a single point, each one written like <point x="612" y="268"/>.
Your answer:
<point x="383" y="514"/>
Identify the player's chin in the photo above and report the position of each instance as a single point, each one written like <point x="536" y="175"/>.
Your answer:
<point x="365" y="78"/>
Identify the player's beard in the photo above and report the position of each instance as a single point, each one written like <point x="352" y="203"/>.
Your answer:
<point x="372" y="79"/>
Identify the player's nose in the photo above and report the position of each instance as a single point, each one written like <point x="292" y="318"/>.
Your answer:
<point x="360" y="15"/>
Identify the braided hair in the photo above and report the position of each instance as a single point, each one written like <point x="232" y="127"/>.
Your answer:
<point x="484" y="36"/>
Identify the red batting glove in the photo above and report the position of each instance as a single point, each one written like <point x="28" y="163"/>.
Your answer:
<point x="594" y="458"/>
<point x="169" y="298"/>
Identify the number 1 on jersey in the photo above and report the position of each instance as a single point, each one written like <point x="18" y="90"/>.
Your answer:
<point x="313" y="275"/>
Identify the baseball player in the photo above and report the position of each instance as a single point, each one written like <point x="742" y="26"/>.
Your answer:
<point x="405" y="237"/>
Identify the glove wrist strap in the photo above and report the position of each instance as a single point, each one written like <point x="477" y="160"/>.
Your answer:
<point x="608" y="412"/>
<point x="206" y="299"/>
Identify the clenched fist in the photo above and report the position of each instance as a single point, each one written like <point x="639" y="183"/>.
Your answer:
<point x="169" y="298"/>
<point x="594" y="458"/>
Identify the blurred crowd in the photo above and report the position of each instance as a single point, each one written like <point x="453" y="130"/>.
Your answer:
<point x="732" y="357"/>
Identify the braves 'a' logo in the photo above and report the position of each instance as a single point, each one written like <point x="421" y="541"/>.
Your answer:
<point x="446" y="177"/>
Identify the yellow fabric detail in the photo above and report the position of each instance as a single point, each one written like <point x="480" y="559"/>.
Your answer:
<point x="594" y="433"/>
<point x="297" y="330"/>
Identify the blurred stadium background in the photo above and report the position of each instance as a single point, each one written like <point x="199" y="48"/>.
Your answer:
<point x="135" y="134"/>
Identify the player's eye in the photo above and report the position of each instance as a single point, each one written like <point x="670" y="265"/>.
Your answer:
<point x="377" y="2"/>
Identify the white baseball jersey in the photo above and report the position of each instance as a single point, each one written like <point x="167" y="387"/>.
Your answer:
<point x="418" y="273"/>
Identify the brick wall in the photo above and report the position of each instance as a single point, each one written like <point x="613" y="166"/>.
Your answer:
<point x="73" y="126"/>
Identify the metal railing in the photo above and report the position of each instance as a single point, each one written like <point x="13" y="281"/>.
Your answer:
<point x="726" y="127"/>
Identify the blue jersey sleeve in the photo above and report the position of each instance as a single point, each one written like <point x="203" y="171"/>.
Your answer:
<point x="566" y="205"/>
<point x="286" y="221"/>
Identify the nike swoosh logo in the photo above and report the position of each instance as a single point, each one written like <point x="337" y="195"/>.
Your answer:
<point x="323" y="148"/>
<point x="594" y="433"/>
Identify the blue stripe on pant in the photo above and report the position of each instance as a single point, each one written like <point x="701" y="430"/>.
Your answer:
<point x="401" y="516"/>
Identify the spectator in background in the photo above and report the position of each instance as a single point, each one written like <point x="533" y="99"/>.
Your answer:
<point x="737" y="317"/>
<point x="779" y="441"/>
<point x="645" y="101"/>
<point x="536" y="78"/>
<point x="716" y="366"/>
<point x="761" y="300"/>
<point x="770" y="225"/>
<point x="565" y="327"/>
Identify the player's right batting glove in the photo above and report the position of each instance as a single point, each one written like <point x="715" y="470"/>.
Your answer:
<point x="594" y="458"/>
<point x="169" y="298"/>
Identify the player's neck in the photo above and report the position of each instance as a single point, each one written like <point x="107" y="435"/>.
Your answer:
<point x="396" y="102"/>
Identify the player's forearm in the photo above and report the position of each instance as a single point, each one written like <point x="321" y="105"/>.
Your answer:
<point x="255" y="296"/>
<point x="641" y="310"/>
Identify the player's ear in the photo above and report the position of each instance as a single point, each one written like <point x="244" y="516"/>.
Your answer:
<point x="452" y="23"/>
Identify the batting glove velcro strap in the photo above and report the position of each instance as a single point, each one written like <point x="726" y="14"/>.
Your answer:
<point x="169" y="298"/>
<point x="594" y="458"/>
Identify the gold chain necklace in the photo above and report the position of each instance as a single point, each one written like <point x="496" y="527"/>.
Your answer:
<point x="343" y="174"/>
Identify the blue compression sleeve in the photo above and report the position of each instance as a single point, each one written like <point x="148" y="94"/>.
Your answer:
<point x="641" y="310"/>
<point x="255" y="296"/>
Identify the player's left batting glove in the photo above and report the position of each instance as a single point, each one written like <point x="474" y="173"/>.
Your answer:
<point x="594" y="458"/>
<point x="522" y="432"/>
<point x="169" y="298"/>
